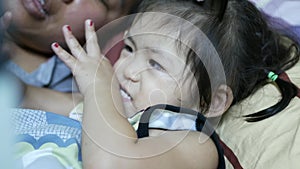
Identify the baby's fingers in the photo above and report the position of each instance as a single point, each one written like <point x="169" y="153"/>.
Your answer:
<point x="68" y="59"/>
<point x="74" y="46"/>
<point x="92" y="45"/>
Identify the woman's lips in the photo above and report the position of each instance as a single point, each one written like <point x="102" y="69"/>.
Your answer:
<point x="35" y="8"/>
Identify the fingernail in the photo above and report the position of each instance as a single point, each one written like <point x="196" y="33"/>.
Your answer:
<point x="69" y="28"/>
<point x="56" y="45"/>
<point x="91" y="23"/>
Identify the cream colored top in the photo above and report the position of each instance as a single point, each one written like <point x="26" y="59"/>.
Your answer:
<point x="273" y="143"/>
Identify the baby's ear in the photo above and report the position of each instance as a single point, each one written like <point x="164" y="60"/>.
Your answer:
<point x="221" y="101"/>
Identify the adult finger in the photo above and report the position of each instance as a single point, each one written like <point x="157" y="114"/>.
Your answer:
<point x="74" y="46"/>
<point x="68" y="59"/>
<point x="92" y="45"/>
<point x="5" y="20"/>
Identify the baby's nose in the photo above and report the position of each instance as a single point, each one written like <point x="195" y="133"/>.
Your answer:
<point x="132" y="74"/>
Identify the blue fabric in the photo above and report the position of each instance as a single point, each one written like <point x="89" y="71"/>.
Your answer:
<point x="36" y="126"/>
<point x="43" y="135"/>
<point x="53" y="74"/>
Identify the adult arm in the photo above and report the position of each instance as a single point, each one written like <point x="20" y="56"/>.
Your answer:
<point x="49" y="100"/>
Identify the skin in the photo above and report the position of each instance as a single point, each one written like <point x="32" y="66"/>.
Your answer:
<point x="25" y="29"/>
<point x="146" y="73"/>
<point x="28" y="39"/>
<point x="104" y="146"/>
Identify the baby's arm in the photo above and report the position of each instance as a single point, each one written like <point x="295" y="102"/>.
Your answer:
<point x="108" y="140"/>
<point x="95" y="78"/>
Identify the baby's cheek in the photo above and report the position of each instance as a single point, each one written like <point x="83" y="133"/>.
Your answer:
<point x="129" y="110"/>
<point x="158" y="96"/>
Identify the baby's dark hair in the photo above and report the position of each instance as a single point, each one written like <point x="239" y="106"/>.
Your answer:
<point x="247" y="46"/>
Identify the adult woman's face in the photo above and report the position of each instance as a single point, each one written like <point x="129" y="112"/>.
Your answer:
<point x="37" y="23"/>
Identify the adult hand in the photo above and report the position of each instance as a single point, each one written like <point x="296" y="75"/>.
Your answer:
<point x="5" y="20"/>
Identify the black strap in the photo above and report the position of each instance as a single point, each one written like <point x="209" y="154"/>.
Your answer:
<point x="202" y="125"/>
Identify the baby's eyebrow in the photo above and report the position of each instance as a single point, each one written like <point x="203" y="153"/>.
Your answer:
<point x="152" y="49"/>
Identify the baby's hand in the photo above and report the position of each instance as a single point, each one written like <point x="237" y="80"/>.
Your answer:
<point x="88" y="67"/>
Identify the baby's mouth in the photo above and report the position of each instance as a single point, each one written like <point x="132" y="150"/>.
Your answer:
<point x="125" y="95"/>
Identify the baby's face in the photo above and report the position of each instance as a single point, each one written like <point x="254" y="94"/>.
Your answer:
<point x="152" y="71"/>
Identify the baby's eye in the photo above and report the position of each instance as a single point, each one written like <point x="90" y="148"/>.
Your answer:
<point x="156" y="65"/>
<point x="128" y="48"/>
